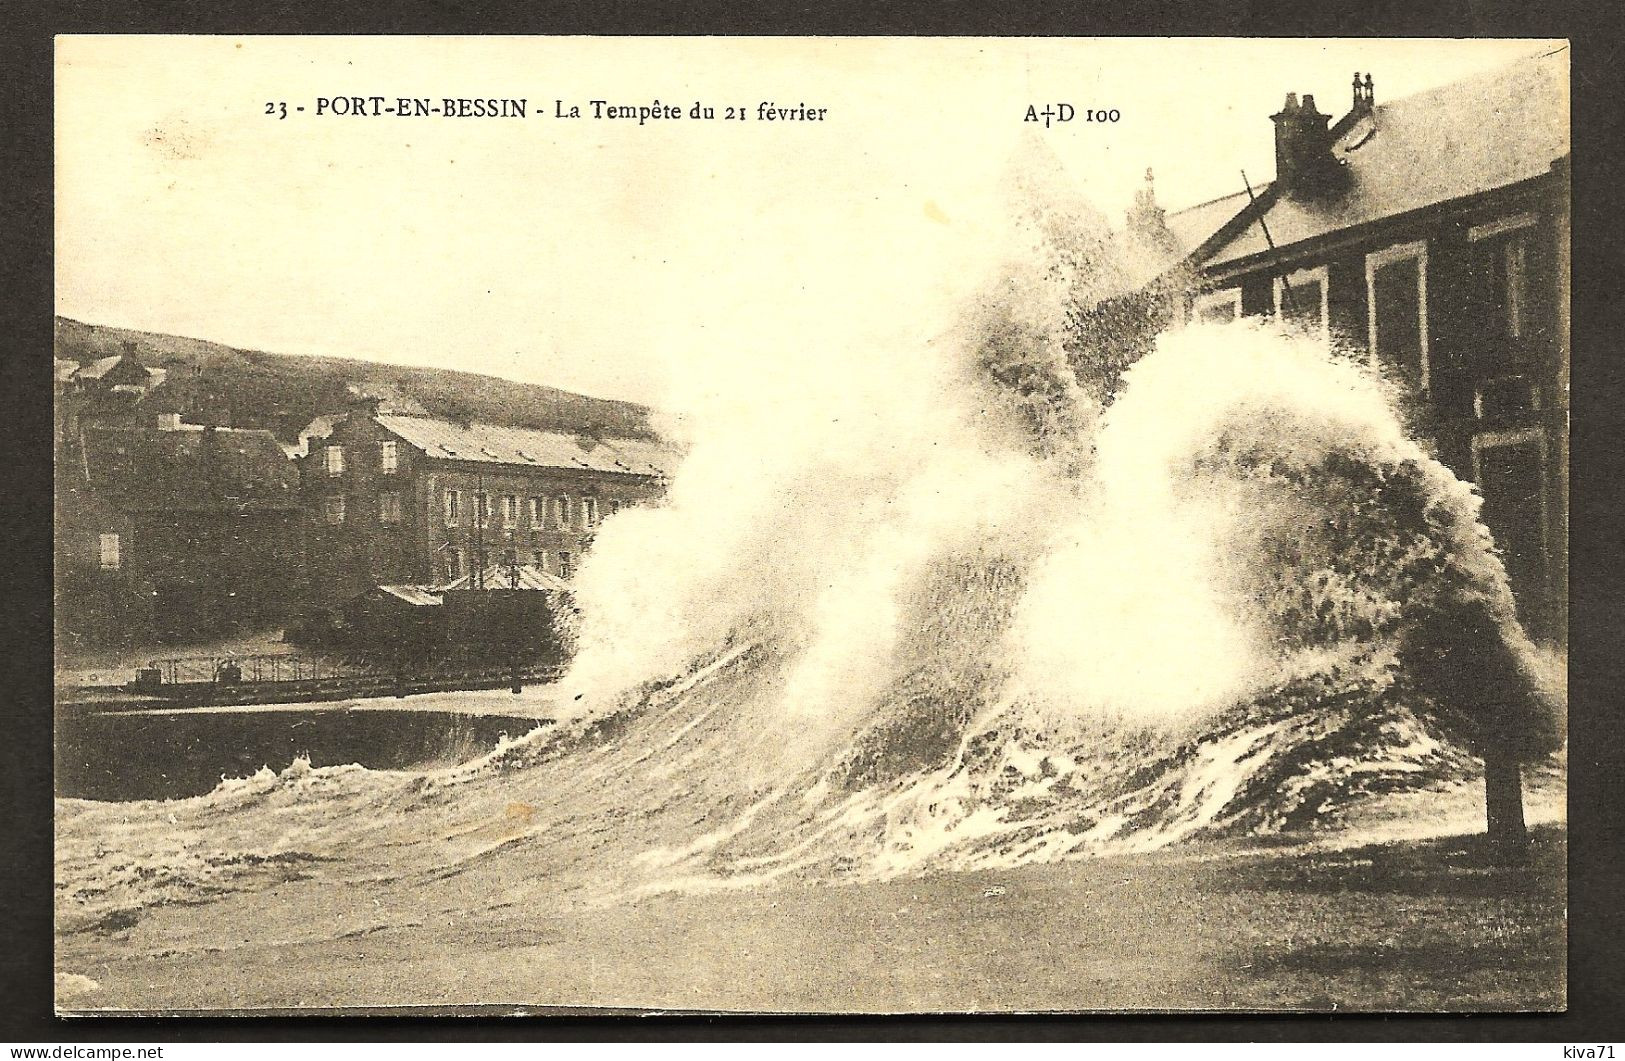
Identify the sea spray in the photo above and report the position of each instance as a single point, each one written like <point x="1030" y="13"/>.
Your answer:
<point x="805" y="515"/>
<point x="969" y="595"/>
<point x="954" y="750"/>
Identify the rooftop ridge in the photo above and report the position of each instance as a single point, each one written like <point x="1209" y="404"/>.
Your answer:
<point x="1486" y="76"/>
<point x="1216" y="199"/>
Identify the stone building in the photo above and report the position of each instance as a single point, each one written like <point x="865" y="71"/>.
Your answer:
<point x="172" y="531"/>
<point x="1430" y="234"/>
<point x="395" y="499"/>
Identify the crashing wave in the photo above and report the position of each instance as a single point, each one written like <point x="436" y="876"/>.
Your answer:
<point x="961" y="607"/>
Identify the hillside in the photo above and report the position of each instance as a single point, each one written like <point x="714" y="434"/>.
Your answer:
<point x="282" y="392"/>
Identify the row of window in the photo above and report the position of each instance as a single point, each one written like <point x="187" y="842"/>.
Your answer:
<point x="539" y="511"/>
<point x="1397" y="295"/>
<point x="457" y="562"/>
<point x="109" y="550"/>
<point x="335" y="510"/>
<point x="389" y="458"/>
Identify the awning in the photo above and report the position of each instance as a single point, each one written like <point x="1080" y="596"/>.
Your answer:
<point x="522" y="576"/>
<point x="417" y="596"/>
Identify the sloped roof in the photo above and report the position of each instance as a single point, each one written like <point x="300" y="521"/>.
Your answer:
<point x="639" y="455"/>
<point x="494" y="444"/>
<point x="65" y="370"/>
<point x="320" y="427"/>
<point x="190" y="467"/>
<point x="100" y="367"/>
<point x="501" y="576"/>
<point x="417" y="596"/>
<point x="1194" y="225"/>
<point x="1472" y="136"/>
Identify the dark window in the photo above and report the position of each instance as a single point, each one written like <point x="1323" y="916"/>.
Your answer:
<point x="1397" y="314"/>
<point x="1497" y="300"/>
<point x="1256" y="297"/>
<point x="1301" y="305"/>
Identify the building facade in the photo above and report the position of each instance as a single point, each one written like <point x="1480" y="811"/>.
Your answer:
<point x="1430" y="235"/>
<point x="396" y="499"/>
<point x="171" y="531"/>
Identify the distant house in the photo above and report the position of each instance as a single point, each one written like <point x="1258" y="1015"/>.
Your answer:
<point x="107" y="389"/>
<point x="173" y="531"/>
<point x="390" y="403"/>
<point x="120" y="373"/>
<point x="413" y="500"/>
<point x="1431" y="233"/>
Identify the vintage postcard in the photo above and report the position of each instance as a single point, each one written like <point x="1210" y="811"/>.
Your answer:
<point x="822" y="525"/>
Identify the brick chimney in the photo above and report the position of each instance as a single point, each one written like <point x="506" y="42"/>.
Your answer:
<point x="1304" y="166"/>
<point x="366" y="406"/>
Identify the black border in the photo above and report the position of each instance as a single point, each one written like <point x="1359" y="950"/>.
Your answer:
<point x="1597" y="780"/>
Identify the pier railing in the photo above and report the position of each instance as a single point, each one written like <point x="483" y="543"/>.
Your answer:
<point x="269" y="679"/>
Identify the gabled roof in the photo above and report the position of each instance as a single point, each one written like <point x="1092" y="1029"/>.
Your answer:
<point x="100" y="367"/>
<point x="65" y="370"/>
<point x="1486" y="132"/>
<point x="494" y="444"/>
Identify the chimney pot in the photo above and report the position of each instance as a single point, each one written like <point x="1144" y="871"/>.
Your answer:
<point x="1303" y="157"/>
<point x="366" y="405"/>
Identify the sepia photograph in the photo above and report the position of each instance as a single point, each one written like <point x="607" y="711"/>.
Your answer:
<point x="810" y="525"/>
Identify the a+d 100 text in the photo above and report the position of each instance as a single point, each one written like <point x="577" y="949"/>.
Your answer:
<point x="1059" y="113"/>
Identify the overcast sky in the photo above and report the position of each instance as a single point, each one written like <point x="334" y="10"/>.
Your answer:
<point x="599" y="255"/>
